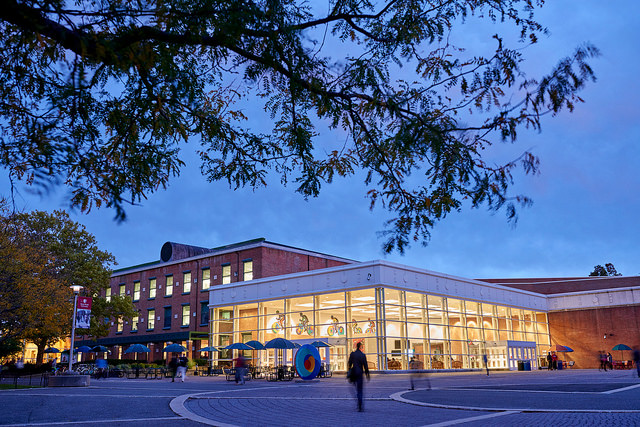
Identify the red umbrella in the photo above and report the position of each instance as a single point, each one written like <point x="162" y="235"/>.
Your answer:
<point x="558" y="348"/>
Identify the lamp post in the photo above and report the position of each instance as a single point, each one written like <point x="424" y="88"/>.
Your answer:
<point x="76" y="289"/>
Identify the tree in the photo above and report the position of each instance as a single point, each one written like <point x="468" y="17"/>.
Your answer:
<point x="100" y="96"/>
<point x="607" y="270"/>
<point x="57" y="253"/>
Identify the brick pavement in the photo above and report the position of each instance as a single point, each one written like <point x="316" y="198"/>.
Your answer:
<point x="612" y="399"/>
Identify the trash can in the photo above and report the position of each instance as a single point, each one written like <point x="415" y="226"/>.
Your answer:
<point x="527" y="365"/>
<point x="520" y="365"/>
<point x="559" y="364"/>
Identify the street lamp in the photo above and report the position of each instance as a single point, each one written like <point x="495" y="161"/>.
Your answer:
<point x="76" y="289"/>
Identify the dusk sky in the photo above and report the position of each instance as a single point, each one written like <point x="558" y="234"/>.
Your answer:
<point x="585" y="200"/>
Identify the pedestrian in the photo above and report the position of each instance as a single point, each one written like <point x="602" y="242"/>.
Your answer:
<point x="636" y="359"/>
<point x="603" y="361"/>
<point x="610" y="361"/>
<point x="356" y="367"/>
<point x="486" y="362"/>
<point x="173" y="366"/>
<point x="554" y="361"/>
<point x="413" y="367"/>
<point x="239" y="364"/>
<point x="549" y="361"/>
<point x="182" y="367"/>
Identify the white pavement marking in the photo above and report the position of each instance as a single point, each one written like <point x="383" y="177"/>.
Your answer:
<point x="93" y="421"/>
<point x="177" y="406"/>
<point x="469" y="419"/>
<point x="520" y="390"/>
<point x="194" y="397"/>
<point x="621" y="389"/>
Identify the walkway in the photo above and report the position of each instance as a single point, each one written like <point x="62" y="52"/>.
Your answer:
<point x="508" y="398"/>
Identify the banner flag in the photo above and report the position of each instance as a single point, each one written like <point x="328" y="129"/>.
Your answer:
<point x="83" y="314"/>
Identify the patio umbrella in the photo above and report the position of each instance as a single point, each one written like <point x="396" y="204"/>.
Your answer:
<point x="320" y="344"/>
<point x="568" y="349"/>
<point x="238" y="346"/>
<point x="621" y="348"/>
<point x="100" y="349"/>
<point x="557" y="348"/>
<point x="84" y="349"/>
<point x="174" y="348"/>
<point x="138" y="348"/>
<point x="51" y="350"/>
<point x="280" y="343"/>
<point x="256" y="345"/>
<point x="210" y="348"/>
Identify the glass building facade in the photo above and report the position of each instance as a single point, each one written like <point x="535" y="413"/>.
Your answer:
<point x="441" y="332"/>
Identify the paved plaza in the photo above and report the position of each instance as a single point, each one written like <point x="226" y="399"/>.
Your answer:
<point x="570" y="397"/>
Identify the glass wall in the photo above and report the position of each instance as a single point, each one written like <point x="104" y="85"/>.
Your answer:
<point x="394" y="326"/>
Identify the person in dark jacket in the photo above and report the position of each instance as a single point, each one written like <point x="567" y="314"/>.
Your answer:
<point x="357" y="367"/>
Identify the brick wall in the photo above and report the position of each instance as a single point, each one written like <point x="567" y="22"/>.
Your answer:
<point x="584" y="330"/>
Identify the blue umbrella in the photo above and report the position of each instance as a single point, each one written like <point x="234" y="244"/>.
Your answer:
<point x="138" y="348"/>
<point x="280" y="343"/>
<point x="621" y="348"/>
<point x="256" y="345"/>
<point x="52" y="350"/>
<point x="100" y="349"/>
<point x="210" y="348"/>
<point x="320" y="344"/>
<point x="238" y="346"/>
<point x="174" y="348"/>
<point x="84" y="349"/>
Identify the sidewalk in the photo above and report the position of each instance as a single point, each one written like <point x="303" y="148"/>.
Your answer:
<point x="472" y="399"/>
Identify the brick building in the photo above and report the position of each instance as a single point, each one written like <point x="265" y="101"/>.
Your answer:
<point x="258" y="290"/>
<point x="589" y="314"/>
<point x="172" y="294"/>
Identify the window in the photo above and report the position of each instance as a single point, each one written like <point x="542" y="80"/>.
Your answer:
<point x="134" y="323"/>
<point x="204" y="312"/>
<point x="168" y="289"/>
<point x="226" y="274"/>
<point x="186" y="282"/>
<point x="107" y="295"/>
<point x="120" y="326"/>
<point x="167" y="318"/>
<point x="151" y="319"/>
<point x="247" y="269"/>
<point x="152" y="288"/>
<point x="206" y="278"/>
<point x="123" y="290"/>
<point x="186" y="312"/>
<point x="136" y="290"/>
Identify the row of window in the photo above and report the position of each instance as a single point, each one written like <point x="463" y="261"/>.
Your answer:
<point x="185" y="318"/>
<point x="247" y="274"/>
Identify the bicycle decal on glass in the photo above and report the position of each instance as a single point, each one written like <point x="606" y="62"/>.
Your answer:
<point x="372" y="327"/>
<point x="356" y="329"/>
<point x="303" y="325"/>
<point x="335" y="328"/>
<point x="278" y="325"/>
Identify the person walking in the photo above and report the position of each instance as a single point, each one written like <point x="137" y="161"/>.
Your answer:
<point x="356" y="367"/>
<point x="182" y="367"/>
<point x="610" y="361"/>
<point x="549" y="361"/>
<point x="554" y="361"/>
<point x="603" y="361"/>
<point x="173" y="366"/>
<point x="240" y="367"/>
<point x="636" y="359"/>
<point x="486" y="362"/>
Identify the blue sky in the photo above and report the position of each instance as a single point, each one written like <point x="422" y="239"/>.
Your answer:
<point x="586" y="202"/>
